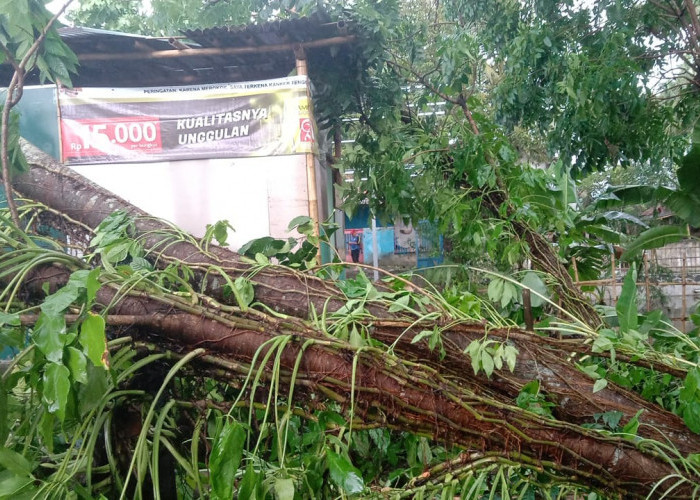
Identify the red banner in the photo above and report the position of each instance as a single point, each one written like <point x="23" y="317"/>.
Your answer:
<point x="103" y="125"/>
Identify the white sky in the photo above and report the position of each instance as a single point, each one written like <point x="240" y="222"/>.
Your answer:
<point x="55" y="5"/>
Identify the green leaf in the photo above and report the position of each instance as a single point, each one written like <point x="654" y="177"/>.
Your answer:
<point x="510" y="292"/>
<point x="11" y="484"/>
<point x="50" y="336"/>
<point x="655" y="237"/>
<point x="250" y="486"/>
<point x="46" y="429"/>
<point x="301" y="220"/>
<point x="691" y="416"/>
<point x="487" y="363"/>
<point x="510" y="355"/>
<point x="13" y="461"/>
<point x="9" y="319"/>
<point x="612" y="418"/>
<point x="626" y="306"/>
<point x="284" y="489"/>
<point x="686" y="206"/>
<point x="356" y="339"/>
<point x="400" y="304"/>
<point x="633" y="424"/>
<point x="56" y="388"/>
<point x="343" y="474"/>
<point x="532" y="387"/>
<point x="599" y="385"/>
<point x="225" y="459"/>
<point x="381" y="438"/>
<point x="91" y="393"/>
<point x="244" y="292"/>
<point x="77" y="365"/>
<point x="423" y="334"/>
<point x="117" y="251"/>
<point x="474" y="350"/>
<point x="140" y="264"/>
<point x="495" y="289"/>
<point x="601" y="344"/>
<point x="93" y="339"/>
<point x="690" y="386"/>
<point x="532" y="281"/>
<point x="58" y="302"/>
<point x="689" y="170"/>
<point x="591" y="371"/>
<point x="87" y="279"/>
<point x="219" y="230"/>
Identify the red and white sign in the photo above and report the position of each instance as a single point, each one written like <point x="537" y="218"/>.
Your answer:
<point x="108" y="136"/>
<point x="227" y="120"/>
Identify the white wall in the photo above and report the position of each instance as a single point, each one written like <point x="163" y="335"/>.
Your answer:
<point x="258" y="196"/>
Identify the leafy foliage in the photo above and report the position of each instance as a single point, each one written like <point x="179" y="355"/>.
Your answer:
<point x="21" y="22"/>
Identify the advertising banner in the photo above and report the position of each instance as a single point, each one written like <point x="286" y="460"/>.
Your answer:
<point x="117" y="125"/>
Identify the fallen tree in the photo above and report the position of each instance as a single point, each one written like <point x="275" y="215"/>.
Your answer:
<point x="303" y="322"/>
<point x="410" y="396"/>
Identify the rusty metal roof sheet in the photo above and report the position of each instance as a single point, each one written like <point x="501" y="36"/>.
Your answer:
<point x="286" y="31"/>
<point x="110" y="58"/>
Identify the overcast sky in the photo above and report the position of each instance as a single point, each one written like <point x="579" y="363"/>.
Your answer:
<point x="55" y="5"/>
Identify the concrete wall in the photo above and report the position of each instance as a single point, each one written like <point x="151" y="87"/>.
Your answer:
<point x="258" y="196"/>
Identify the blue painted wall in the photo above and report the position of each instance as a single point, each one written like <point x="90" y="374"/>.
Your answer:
<point x="385" y="240"/>
<point x="38" y="118"/>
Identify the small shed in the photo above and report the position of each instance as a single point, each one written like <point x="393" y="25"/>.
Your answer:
<point x="214" y="124"/>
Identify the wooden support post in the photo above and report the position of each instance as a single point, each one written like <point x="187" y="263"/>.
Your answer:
<point x="527" y="310"/>
<point x="573" y="263"/>
<point x="614" y="278"/>
<point x="684" y="279"/>
<point x="302" y="70"/>
<point x="646" y="280"/>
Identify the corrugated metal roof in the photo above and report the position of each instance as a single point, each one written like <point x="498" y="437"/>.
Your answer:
<point x="110" y="58"/>
<point x="304" y="29"/>
<point x="86" y="39"/>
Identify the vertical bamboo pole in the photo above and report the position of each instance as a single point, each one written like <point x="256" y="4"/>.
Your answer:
<point x="573" y="263"/>
<point x="58" y="114"/>
<point x="646" y="280"/>
<point x="614" y="278"/>
<point x="684" y="311"/>
<point x="527" y="311"/>
<point x="302" y="70"/>
<point x="375" y="249"/>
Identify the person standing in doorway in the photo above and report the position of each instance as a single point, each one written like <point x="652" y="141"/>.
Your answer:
<point x="355" y="247"/>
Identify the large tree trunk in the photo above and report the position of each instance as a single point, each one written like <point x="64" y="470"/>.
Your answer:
<point x="421" y="392"/>
<point x="402" y="394"/>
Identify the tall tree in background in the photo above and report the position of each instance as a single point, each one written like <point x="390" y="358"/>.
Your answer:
<point x="608" y="84"/>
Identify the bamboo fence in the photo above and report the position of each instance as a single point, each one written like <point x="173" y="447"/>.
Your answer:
<point x="667" y="279"/>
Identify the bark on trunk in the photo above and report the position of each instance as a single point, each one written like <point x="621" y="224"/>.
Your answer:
<point x="296" y="294"/>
